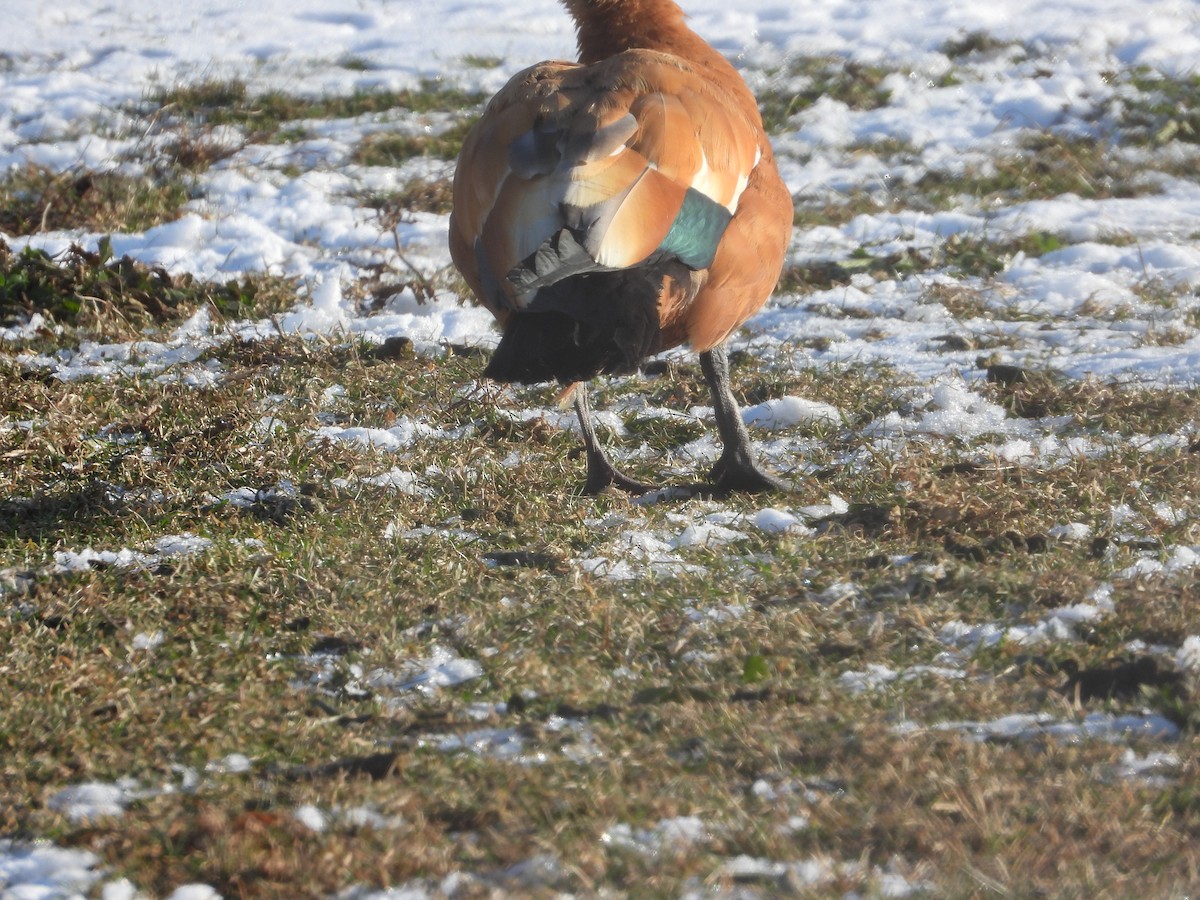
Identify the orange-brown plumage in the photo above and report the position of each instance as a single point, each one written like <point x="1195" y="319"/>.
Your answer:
<point x="612" y="208"/>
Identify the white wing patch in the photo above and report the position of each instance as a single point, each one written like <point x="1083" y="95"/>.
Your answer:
<point x="743" y="181"/>
<point x="715" y="186"/>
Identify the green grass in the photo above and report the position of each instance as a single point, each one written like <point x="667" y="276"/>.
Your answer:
<point x="1048" y="166"/>
<point x="99" y="297"/>
<point x="1159" y="109"/>
<point x="979" y="43"/>
<point x="856" y="85"/>
<point x="476" y="61"/>
<point x="961" y="255"/>
<point x="391" y="149"/>
<point x="418" y="195"/>
<point x="263" y="115"/>
<point x="34" y="199"/>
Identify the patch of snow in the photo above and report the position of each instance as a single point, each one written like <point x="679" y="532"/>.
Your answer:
<point x="788" y="412"/>
<point x="1150" y="769"/>
<point x="1187" y="659"/>
<point x="165" y="547"/>
<point x="497" y="743"/>
<point x="1124" y="514"/>
<point x="1104" y="726"/>
<point x="185" y="544"/>
<point x="266" y="427"/>
<point x="530" y="877"/>
<point x="311" y="817"/>
<point x="42" y="871"/>
<point x="147" y="640"/>
<point x="840" y="592"/>
<point x="666" y="836"/>
<point x="404" y="434"/>
<point x="778" y="521"/>
<point x="717" y="615"/>
<point x="398" y="481"/>
<point x="194" y="892"/>
<point x="514" y="744"/>
<point x="1181" y="561"/>
<point x="1057" y="625"/>
<point x="948" y="408"/>
<point x="443" y="668"/>
<point x="121" y="889"/>
<point x="244" y="497"/>
<point x="320" y="820"/>
<point x="706" y="534"/>
<point x="634" y="552"/>
<point x="93" y="800"/>
<point x="1168" y="514"/>
<point x="809" y="872"/>
<point x="232" y="764"/>
<point x="1072" y="531"/>
<point x="793" y="825"/>
<point x="24" y="332"/>
<point x="815" y="872"/>
<point x="835" y="506"/>
<point x="876" y="676"/>
<point x="325" y="314"/>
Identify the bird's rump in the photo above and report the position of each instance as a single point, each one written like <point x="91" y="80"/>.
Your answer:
<point x="593" y="202"/>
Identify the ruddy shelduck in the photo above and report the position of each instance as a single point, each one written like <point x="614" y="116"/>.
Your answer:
<point x="608" y="209"/>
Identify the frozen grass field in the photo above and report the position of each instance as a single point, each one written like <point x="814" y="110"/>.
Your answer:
<point x="294" y="604"/>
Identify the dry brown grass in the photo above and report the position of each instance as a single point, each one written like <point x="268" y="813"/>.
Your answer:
<point x="716" y="693"/>
<point x="675" y="738"/>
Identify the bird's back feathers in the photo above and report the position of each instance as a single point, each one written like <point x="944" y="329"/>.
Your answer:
<point x="593" y="204"/>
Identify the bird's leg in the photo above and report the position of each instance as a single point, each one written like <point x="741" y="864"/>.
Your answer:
<point x="600" y="472"/>
<point x="737" y="469"/>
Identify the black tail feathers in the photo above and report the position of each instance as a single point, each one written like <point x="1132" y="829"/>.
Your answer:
<point x="580" y="327"/>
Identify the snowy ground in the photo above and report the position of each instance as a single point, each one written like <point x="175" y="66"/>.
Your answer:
<point x="61" y="102"/>
<point x="1117" y="299"/>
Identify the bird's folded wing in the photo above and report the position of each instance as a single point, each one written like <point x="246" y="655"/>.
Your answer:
<point x="635" y="156"/>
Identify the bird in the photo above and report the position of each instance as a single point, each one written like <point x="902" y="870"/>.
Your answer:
<point x="613" y="207"/>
